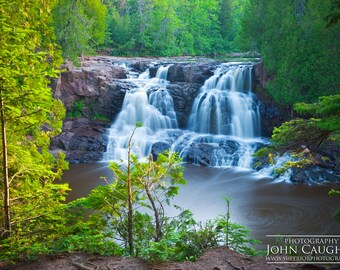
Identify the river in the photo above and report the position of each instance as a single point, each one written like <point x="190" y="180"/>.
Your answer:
<point x="263" y="205"/>
<point x="223" y="132"/>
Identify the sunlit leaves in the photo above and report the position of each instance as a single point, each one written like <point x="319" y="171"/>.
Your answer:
<point x="28" y="59"/>
<point x="79" y="26"/>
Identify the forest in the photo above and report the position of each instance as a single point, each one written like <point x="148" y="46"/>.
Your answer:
<point x="297" y="40"/>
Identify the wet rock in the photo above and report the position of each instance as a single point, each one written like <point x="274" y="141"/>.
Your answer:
<point x="330" y="154"/>
<point x="229" y="146"/>
<point x="82" y="140"/>
<point x="153" y="71"/>
<point x="261" y="76"/>
<point x="191" y="73"/>
<point x="100" y="85"/>
<point x="141" y="66"/>
<point x="158" y="148"/>
<point x="272" y="114"/>
<point x="94" y="87"/>
<point x="314" y="174"/>
<point x="183" y="95"/>
<point x="200" y="153"/>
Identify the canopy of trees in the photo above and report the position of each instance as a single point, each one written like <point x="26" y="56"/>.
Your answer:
<point x="79" y="26"/>
<point x="173" y="27"/>
<point x="300" y="48"/>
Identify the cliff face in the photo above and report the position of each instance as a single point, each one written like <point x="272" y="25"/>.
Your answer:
<point x="96" y="84"/>
<point x="272" y="114"/>
<point x="93" y="95"/>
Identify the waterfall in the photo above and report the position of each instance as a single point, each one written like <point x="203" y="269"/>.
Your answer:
<point x="225" y="104"/>
<point x="155" y="112"/>
<point x="224" y="120"/>
<point x="223" y="126"/>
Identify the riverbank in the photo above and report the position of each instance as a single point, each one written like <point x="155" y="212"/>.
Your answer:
<point x="215" y="259"/>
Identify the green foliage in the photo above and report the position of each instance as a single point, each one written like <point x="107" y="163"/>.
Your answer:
<point x="127" y="216"/>
<point x="76" y="110"/>
<point x="146" y="187"/>
<point x="186" y="239"/>
<point x="79" y="26"/>
<point x="98" y="116"/>
<point x="149" y="180"/>
<point x="298" y="50"/>
<point x="327" y="109"/>
<point x="173" y="27"/>
<point x="291" y="135"/>
<point x="31" y="117"/>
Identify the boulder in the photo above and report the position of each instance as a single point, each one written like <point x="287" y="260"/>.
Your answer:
<point x="229" y="146"/>
<point x="200" y="153"/>
<point x="183" y="95"/>
<point x="158" y="148"/>
<point x="191" y="73"/>
<point x="82" y="140"/>
<point x="314" y="174"/>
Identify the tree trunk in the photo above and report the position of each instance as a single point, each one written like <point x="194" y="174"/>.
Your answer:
<point x="6" y="207"/>
<point x="130" y="198"/>
<point x="159" y="233"/>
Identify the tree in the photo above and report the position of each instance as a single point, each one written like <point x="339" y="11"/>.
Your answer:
<point x="29" y="118"/>
<point x="172" y="27"/>
<point x="130" y="210"/>
<point x="138" y="184"/>
<point x="79" y="26"/>
<point x="322" y="125"/>
<point x="299" y="52"/>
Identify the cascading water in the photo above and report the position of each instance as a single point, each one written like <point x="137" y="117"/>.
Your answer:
<point x="222" y="127"/>
<point x="226" y="104"/>
<point x="224" y="120"/>
<point x="155" y="113"/>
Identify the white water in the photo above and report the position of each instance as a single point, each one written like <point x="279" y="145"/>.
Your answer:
<point x="222" y="127"/>
<point x="224" y="120"/>
<point x="155" y="113"/>
<point x="226" y="104"/>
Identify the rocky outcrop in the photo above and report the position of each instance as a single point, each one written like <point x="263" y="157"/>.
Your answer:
<point x="261" y="76"/>
<point x="183" y="95"/>
<point x="95" y="92"/>
<point x="96" y="86"/>
<point x="272" y="114"/>
<point x="226" y="152"/>
<point x="325" y="167"/>
<point x="93" y="95"/>
<point x="200" y="153"/>
<point x="191" y="73"/>
<point x="82" y="140"/>
<point x="187" y="72"/>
